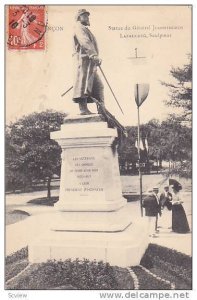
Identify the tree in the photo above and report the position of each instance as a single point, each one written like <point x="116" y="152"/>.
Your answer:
<point x="178" y="145"/>
<point x="127" y="151"/>
<point x="181" y="91"/>
<point x="169" y="140"/>
<point x="152" y="131"/>
<point x="30" y="153"/>
<point x="181" y="96"/>
<point x="14" y="179"/>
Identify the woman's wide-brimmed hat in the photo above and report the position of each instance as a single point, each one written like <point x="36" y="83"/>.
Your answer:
<point x="175" y="184"/>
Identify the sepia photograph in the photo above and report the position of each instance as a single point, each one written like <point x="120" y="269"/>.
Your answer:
<point x="98" y="149"/>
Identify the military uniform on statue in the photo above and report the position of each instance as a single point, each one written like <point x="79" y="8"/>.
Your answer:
<point x="152" y="208"/>
<point x="88" y="87"/>
<point x="86" y="81"/>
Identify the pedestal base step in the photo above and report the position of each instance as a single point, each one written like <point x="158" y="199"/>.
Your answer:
<point x="92" y="221"/>
<point x="90" y="205"/>
<point x="122" y="249"/>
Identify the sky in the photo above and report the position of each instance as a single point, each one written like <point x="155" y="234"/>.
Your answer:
<point x="35" y="79"/>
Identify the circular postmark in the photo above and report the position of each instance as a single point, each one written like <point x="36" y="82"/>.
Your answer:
<point x="27" y="26"/>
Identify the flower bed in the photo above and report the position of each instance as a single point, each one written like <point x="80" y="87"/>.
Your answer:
<point x="169" y="255"/>
<point x="167" y="267"/>
<point x="75" y="274"/>
<point x="15" y="263"/>
<point x="16" y="256"/>
<point x="15" y="268"/>
<point x="169" y="264"/>
<point x="148" y="282"/>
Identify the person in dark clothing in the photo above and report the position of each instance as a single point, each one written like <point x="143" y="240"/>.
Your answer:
<point x="152" y="209"/>
<point x="179" y="219"/>
<point x="166" y="206"/>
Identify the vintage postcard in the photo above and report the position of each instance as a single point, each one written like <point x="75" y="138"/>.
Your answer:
<point x="98" y="154"/>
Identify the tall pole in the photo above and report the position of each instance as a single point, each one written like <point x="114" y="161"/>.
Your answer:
<point x="138" y="108"/>
<point x="140" y="173"/>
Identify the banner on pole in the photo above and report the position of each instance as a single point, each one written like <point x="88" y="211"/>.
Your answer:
<point x="141" y="92"/>
<point x="146" y="144"/>
<point x="141" y="144"/>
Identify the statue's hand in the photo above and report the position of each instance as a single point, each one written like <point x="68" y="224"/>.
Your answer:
<point x="97" y="60"/>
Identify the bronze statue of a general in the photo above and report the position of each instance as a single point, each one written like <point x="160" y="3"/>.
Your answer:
<point x="88" y="87"/>
<point x="87" y="83"/>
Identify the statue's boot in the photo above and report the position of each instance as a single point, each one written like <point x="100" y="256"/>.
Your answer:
<point x="100" y="107"/>
<point x="84" y="108"/>
<point x="110" y="119"/>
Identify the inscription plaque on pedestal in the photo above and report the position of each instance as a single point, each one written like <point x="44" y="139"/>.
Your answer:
<point x="85" y="174"/>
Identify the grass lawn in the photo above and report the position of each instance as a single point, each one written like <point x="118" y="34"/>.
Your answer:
<point x="13" y="215"/>
<point x="44" y="201"/>
<point x="162" y="262"/>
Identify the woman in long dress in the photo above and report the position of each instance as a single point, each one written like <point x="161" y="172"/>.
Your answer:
<point x="179" y="219"/>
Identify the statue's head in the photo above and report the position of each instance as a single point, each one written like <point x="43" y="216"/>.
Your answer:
<point x="83" y="17"/>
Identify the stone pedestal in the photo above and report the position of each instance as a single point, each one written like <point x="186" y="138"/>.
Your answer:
<point x="91" y="219"/>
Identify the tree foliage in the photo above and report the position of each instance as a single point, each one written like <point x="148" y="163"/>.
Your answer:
<point x="168" y="140"/>
<point x="180" y="93"/>
<point x="127" y="150"/>
<point x="30" y="153"/>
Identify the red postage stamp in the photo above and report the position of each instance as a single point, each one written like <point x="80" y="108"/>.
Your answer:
<point x="26" y="27"/>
